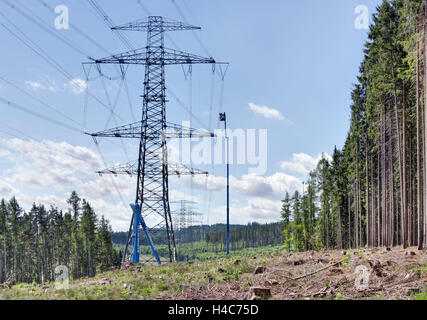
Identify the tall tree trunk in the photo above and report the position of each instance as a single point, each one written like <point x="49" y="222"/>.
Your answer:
<point x="419" y="172"/>
<point x="383" y="177"/>
<point x="339" y="228"/>
<point x="357" y="192"/>
<point x="403" y="186"/>
<point x="424" y="119"/>
<point x="349" y="220"/>
<point x="367" y="191"/>
<point x="379" y="196"/>
<point x="392" y="208"/>
<point x="373" y="207"/>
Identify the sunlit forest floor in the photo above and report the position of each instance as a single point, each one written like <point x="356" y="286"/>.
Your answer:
<point x="393" y="274"/>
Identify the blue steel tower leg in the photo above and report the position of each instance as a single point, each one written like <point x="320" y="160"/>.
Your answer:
<point x="137" y="220"/>
<point x="135" y="238"/>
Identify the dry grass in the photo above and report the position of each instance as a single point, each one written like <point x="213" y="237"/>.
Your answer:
<point x="395" y="274"/>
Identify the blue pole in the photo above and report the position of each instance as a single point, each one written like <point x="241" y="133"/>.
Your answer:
<point x="228" y="189"/>
<point x="223" y="117"/>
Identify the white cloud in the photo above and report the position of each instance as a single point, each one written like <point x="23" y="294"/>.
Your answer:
<point x="267" y="112"/>
<point x="302" y="163"/>
<point x="4" y="153"/>
<point x="46" y="172"/>
<point x="108" y="186"/>
<point x="270" y="187"/>
<point x="45" y="83"/>
<point x="77" y="85"/>
<point x="6" y="190"/>
<point x="49" y="163"/>
<point x="50" y="85"/>
<point x="257" y="209"/>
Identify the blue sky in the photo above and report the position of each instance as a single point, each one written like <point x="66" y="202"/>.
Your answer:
<point x="292" y="67"/>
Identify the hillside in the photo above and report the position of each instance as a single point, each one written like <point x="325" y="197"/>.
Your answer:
<point x="393" y="274"/>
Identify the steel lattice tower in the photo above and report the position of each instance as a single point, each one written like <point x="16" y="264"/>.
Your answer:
<point x="186" y="217"/>
<point x="152" y="167"/>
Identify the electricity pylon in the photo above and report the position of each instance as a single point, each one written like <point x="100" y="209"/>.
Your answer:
<point x="185" y="218"/>
<point x="152" y="168"/>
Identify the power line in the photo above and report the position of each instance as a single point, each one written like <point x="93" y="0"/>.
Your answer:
<point x="193" y="32"/>
<point x="10" y="134"/>
<point x="46" y="58"/>
<point x="60" y="151"/>
<point x="221" y="73"/>
<point x="93" y="41"/>
<point x="143" y="7"/>
<point x="148" y="13"/>
<point x="182" y="104"/>
<point x="77" y="29"/>
<point x="35" y="140"/>
<point x="112" y="178"/>
<point x="27" y="110"/>
<point x="47" y="29"/>
<point x="110" y="23"/>
<point x="49" y="59"/>
<point x="20" y="132"/>
<point x="38" y="100"/>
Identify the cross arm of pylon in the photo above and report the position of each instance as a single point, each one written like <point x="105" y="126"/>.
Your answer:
<point x="181" y="170"/>
<point x="155" y="24"/>
<point x="178" y="131"/>
<point x="157" y="56"/>
<point x="131" y="169"/>
<point x="135" y="131"/>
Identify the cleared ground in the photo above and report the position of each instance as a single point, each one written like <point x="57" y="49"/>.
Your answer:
<point x="392" y="274"/>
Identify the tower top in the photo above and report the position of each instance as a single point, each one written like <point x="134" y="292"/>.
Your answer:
<point x="156" y="23"/>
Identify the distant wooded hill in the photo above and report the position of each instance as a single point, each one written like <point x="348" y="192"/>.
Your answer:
<point x="241" y="236"/>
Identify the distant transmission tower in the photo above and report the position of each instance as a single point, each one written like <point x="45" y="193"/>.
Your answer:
<point x="185" y="218"/>
<point x="152" y="168"/>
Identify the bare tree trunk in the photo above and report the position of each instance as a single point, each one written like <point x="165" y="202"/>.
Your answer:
<point x="383" y="177"/>
<point x="392" y="210"/>
<point x="379" y="198"/>
<point x="349" y="220"/>
<point x="339" y="228"/>
<point x="425" y="130"/>
<point x="372" y="224"/>
<point x="419" y="172"/>
<point x="387" y="174"/>
<point x="405" y="234"/>
<point x="412" y="193"/>
<point x="367" y="192"/>
<point x="390" y="201"/>
<point x="356" y="217"/>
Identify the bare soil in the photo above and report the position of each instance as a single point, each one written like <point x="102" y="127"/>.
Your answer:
<point x="394" y="273"/>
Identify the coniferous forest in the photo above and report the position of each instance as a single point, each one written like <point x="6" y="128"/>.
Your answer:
<point x="34" y="243"/>
<point x="372" y="192"/>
